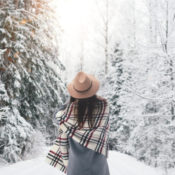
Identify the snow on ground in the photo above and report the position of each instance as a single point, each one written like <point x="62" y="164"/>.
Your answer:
<point x="119" y="164"/>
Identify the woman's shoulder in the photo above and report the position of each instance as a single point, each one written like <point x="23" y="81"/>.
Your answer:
<point x="103" y="105"/>
<point x="102" y="100"/>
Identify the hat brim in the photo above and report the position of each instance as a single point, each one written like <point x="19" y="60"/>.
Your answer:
<point x="92" y="91"/>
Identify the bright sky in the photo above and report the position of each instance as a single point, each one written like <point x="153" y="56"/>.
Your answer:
<point x="77" y="18"/>
<point x="73" y="12"/>
<point x="82" y="24"/>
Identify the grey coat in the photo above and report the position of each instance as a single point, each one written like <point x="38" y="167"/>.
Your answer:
<point x="84" y="161"/>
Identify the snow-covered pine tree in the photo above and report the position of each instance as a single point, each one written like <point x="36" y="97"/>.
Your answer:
<point x="4" y="99"/>
<point x="30" y="73"/>
<point x="15" y="132"/>
<point x="119" y="126"/>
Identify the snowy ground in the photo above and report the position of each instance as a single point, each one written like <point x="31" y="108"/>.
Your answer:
<point x="119" y="164"/>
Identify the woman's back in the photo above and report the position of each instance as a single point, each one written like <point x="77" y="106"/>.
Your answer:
<point x="84" y="161"/>
<point x="82" y="144"/>
<point x="95" y="138"/>
<point x="82" y="158"/>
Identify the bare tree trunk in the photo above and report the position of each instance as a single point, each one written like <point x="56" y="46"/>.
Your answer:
<point x="150" y="22"/>
<point x="106" y="18"/>
<point x="153" y="30"/>
<point x="16" y="2"/>
<point x="27" y="5"/>
<point x="82" y="55"/>
<point x="167" y="27"/>
<point x="134" y="25"/>
<point x="38" y="7"/>
<point x="106" y="36"/>
<point x="1" y="4"/>
<point x="155" y="23"/>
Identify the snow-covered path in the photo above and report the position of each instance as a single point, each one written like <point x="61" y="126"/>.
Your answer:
<point x="119" y="164"/>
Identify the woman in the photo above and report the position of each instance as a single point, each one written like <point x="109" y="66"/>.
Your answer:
<point x="82" y="145"/>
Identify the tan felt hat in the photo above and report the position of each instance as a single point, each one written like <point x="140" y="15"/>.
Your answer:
<point x="83" y="86"/>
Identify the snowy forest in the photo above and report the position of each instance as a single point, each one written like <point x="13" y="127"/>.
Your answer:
<point x="127" y="44"/>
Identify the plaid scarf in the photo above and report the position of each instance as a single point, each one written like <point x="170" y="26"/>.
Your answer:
<point x="95" y="138"/>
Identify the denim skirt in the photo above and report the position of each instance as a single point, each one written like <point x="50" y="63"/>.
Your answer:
<point x="84" y="161"/>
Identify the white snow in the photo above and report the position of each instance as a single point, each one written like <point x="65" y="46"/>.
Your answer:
<point x="119" y="164"/>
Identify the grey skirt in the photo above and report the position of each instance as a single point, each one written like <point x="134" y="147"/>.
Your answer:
<point x="84" y="161"/>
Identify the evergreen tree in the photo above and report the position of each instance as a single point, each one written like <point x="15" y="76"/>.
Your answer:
<point x="119" y="126"/>
<point x="29" y="73"/>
